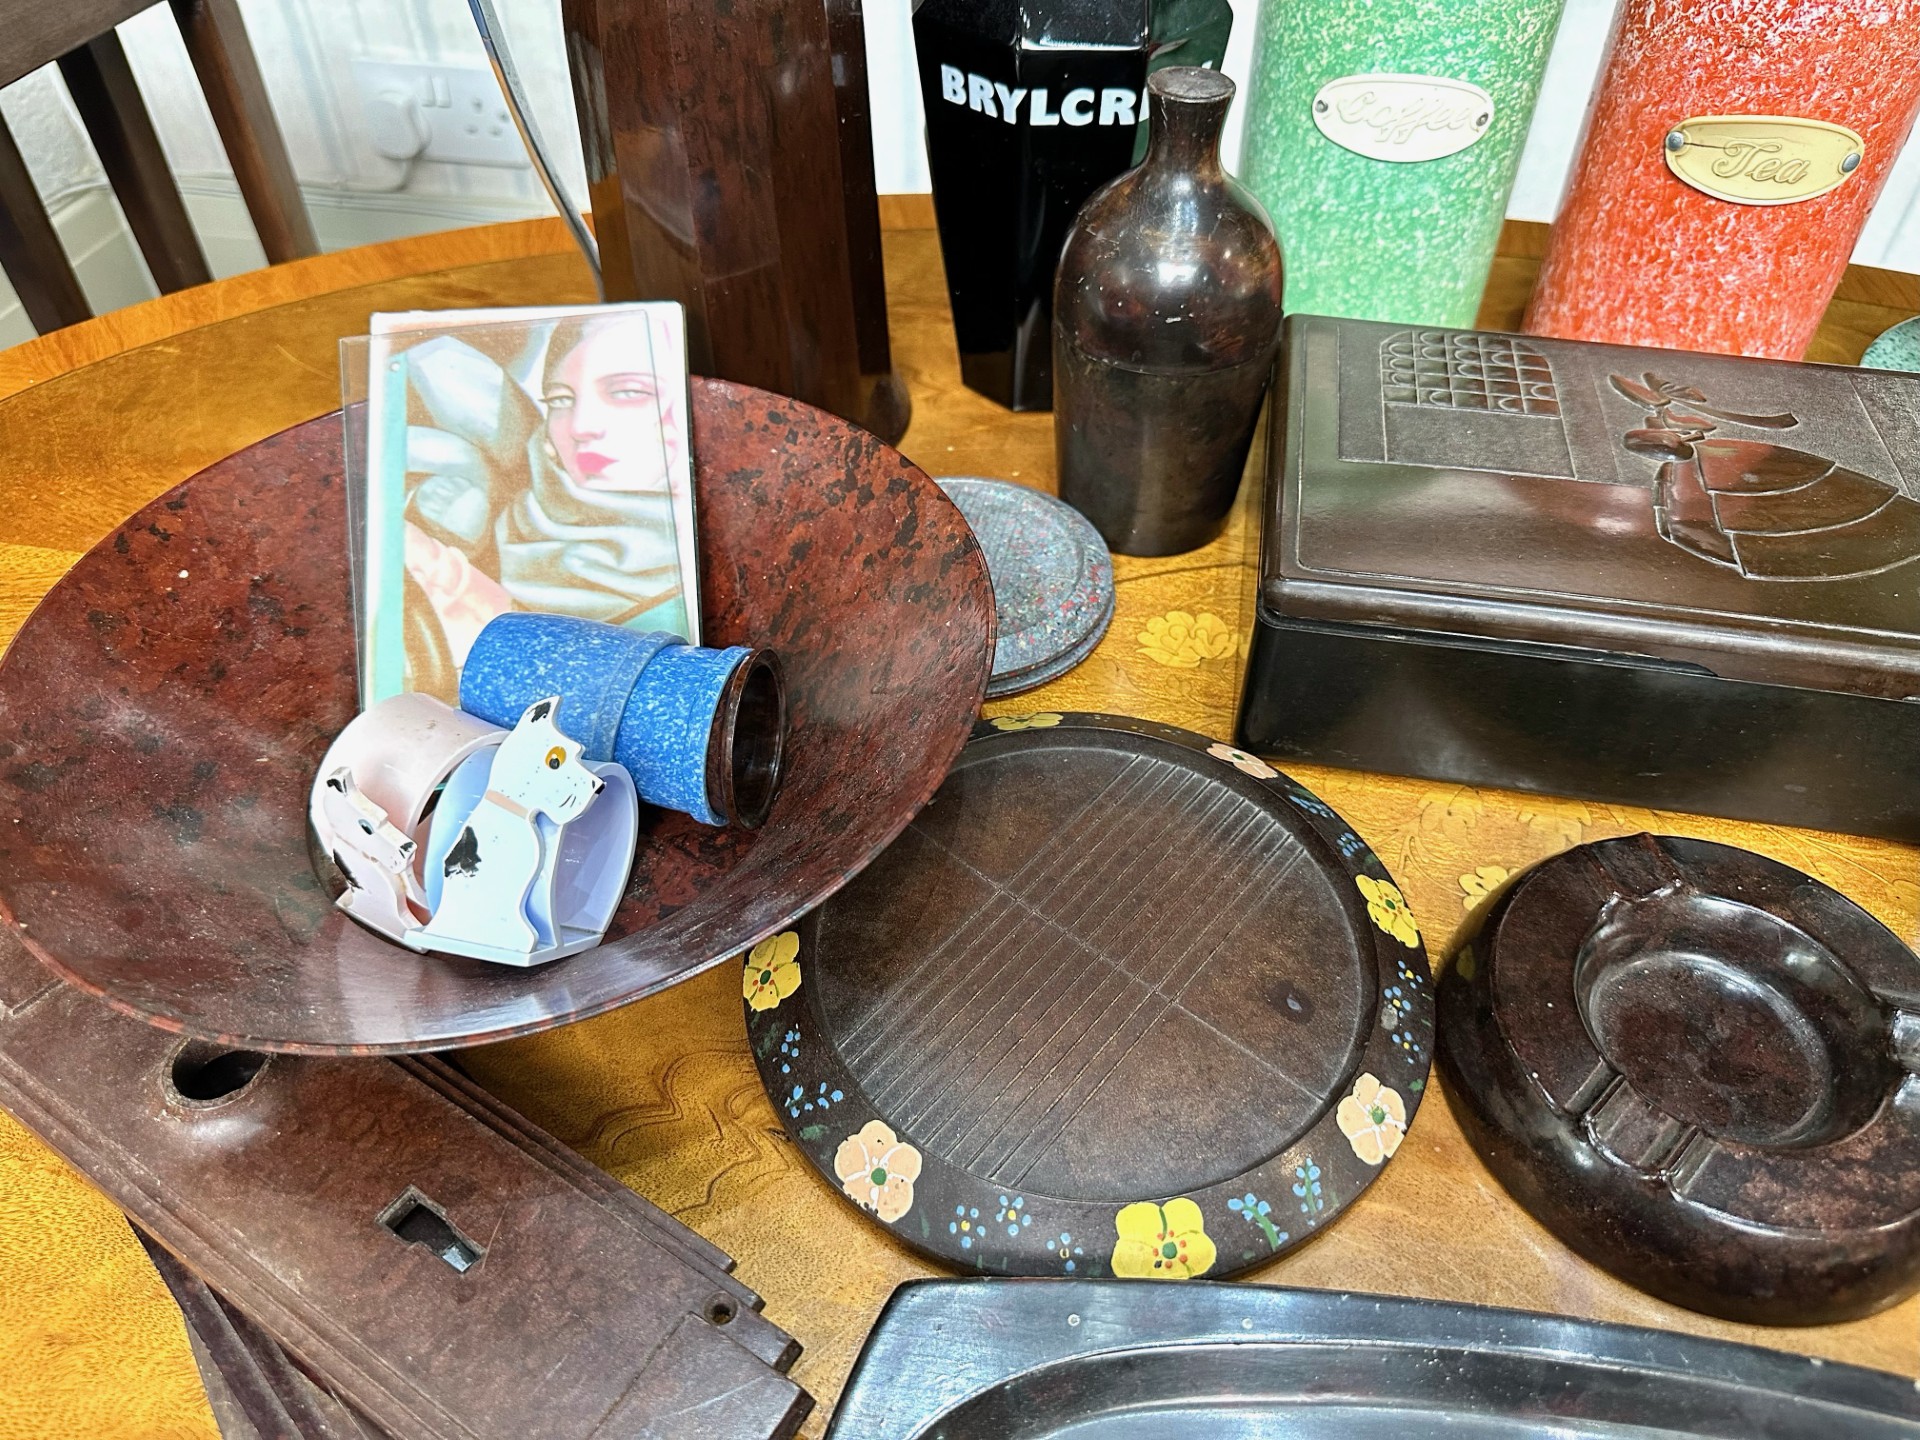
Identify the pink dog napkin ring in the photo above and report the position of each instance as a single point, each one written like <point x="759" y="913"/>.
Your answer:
<point x="370" y="794"/>
<point x="400" y="752"/>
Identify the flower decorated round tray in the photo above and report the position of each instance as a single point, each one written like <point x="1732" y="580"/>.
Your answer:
<point x="1121" y="1000"/>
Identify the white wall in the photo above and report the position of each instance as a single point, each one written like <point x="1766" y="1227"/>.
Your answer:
<point x="306" y="48"/>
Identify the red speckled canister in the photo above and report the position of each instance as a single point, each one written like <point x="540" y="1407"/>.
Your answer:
<point x="1732" y="154"/>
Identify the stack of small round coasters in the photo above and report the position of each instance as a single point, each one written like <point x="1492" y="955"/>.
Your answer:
<point x="1052" y="580"/>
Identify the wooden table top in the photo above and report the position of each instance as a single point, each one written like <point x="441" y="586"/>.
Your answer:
<point x="96" y="421"/>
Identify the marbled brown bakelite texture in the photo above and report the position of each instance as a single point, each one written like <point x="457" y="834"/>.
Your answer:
<point x="162" y="713"/>
<point x="576" y="1310"/>
<point x="716" y="151"/>
<point x="1695" y="1066"/>
<point x="254" y="1387"/>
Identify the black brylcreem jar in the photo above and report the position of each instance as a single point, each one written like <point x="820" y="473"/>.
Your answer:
<point x="1030" y="109"/>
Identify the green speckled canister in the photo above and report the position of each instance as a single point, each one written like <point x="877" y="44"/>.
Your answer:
<point x="1382" y="136"/>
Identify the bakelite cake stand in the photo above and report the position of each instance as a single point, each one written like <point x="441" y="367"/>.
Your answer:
<point x="163" y="711"/>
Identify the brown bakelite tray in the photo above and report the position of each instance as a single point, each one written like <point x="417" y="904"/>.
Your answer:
<point x="1102" y="1360"/>
<point x="1121" y="1000"/>
<point x="162" y="713"/>
<point x="1696" y="1066"/>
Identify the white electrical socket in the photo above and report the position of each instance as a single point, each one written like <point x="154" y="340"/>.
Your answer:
<point x="452" y="113"/>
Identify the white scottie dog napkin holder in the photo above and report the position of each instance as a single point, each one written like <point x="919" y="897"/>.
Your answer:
<point x="525" y="856"/>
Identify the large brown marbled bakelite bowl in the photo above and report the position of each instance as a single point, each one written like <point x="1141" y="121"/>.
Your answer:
<point x="162" y="713"/>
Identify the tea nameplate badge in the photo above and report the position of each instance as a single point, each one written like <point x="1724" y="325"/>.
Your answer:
<point x="1762" y="159"/>
<point x="1402" y="117"/>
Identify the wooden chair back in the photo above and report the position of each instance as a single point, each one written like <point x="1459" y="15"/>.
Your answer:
<point x="79" y="35"/>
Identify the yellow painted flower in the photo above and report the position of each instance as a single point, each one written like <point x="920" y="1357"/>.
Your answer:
<point x="1482" y="882"/>
<point x="1465" y="964"/>
<point x="773" y="970"/>
<point x="1240" y="760"/>
<point x="1373" y="1118"/>
<point x="1183" y="640"/>
<point x="1044" y="720"/>
<point x="1161" y="1242"/>
<point x="1387" y="908"/>
<point x="877" y="1170"/>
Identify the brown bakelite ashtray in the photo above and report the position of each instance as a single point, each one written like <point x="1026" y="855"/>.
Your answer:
<point x="163" y="711"/>
<point x="1695" y="1066"/>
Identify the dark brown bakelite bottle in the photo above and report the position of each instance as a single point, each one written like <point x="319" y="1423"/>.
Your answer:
<point x="1166" y="318"/>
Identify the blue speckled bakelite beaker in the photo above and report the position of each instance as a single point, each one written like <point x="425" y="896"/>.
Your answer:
<point x="700" y="730"/>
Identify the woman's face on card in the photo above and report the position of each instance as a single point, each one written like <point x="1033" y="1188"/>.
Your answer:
<point x="605" y="413"/>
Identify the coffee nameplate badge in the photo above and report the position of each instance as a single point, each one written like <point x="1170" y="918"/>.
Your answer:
<point x="1402" y="117"/>
<point x="1762" y="159"/>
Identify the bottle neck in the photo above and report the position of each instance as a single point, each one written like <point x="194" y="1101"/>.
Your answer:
<point x="1184" y="129"/>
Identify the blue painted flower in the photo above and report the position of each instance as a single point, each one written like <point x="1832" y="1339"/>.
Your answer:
<point x="1352" y="847"/>
<point x="1068" y="1252"/>
<point x="1013" y="1214"/>
<point x="966" y="1224"/>
<point x="1254" y="1211"/>
<point x="799" y="1102"/>
<point x="1394" y="1010"/>
<point x="1313" y="804"/>
<point x="790" y="1047"/>
<point x="1306" y="1186"/>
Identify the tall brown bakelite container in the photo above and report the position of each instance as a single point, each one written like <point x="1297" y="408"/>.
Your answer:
<point x="719" y="149"/>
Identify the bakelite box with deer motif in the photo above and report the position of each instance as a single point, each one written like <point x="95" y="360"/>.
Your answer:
<point x="1682" y="581"/>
